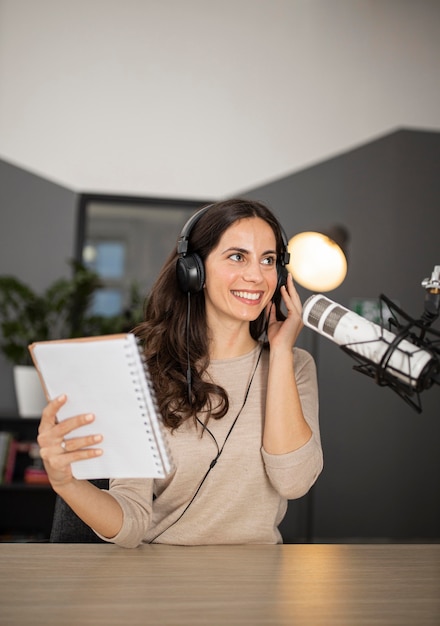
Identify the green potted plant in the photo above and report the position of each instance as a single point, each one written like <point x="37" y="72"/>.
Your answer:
<point x="62" y="311"/>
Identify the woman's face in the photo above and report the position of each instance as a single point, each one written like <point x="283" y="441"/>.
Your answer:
<point x="240" y="272"/>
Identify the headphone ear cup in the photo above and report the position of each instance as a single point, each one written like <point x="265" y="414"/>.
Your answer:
<point x="282" y="277"/>
<point x="190" y="273"/>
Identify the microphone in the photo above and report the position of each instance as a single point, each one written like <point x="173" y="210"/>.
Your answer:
<point x="389" y="358"/>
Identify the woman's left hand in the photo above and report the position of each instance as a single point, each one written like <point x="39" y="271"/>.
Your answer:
<point x="285" y="333"/>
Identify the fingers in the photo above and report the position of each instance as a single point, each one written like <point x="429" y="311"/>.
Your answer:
<point x="61" y="453"/>
<point x="53" y="435"/>
<point x="74" y="444"/>
<point x="290" y="296"/>
<point x="59" y="445"/>
<point x="284" y="334"/>
<point x="49" y="415"/>
<point x="289" y="330"/>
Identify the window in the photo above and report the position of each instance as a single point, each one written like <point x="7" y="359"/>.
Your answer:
<point x="107" y="259"/>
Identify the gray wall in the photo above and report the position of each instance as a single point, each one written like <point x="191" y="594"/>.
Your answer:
<point x="382" y="464"/>
<point x="37" y="239"/>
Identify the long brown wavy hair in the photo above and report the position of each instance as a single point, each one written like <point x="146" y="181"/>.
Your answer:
<point x="163" y="334"/>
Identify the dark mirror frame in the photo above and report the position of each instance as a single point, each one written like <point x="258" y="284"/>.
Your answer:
<point x="161" y="231"/>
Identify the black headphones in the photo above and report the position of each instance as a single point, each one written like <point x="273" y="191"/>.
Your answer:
<point x="191" y="271"/>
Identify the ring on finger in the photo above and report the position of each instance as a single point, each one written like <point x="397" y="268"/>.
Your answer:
<point x="63" y="445"/>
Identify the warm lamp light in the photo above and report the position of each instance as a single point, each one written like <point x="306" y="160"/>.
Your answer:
<point x="317" y="259"/>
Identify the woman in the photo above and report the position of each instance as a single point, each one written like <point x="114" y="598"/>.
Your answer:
<point x="239" y="403"/>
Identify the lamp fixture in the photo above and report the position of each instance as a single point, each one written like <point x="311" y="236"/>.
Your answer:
<point x="318" y="259"/>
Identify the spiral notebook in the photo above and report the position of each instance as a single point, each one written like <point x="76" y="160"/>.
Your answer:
<point x="107" y="376"/>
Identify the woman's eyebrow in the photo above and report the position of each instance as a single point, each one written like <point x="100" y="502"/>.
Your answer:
<point x="245" y="251"/>
<point x="236" y="249"/>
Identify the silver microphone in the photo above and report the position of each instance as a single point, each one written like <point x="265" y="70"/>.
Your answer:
<point x="395" y="357"/>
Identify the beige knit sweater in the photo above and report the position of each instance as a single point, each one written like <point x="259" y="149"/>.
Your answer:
<point x="244" y="497"/>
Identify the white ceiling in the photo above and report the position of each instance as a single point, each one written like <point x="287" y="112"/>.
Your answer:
<point x="197" y="99"/>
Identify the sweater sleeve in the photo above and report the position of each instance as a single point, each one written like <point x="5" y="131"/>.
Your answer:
<point x="135" y="496"/>
<point x="294" y="473"/>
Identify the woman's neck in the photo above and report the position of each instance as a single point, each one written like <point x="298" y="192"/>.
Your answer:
<point x="229" y="344"/>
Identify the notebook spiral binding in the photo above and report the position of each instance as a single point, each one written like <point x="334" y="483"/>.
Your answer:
<point x="148" y="406"/>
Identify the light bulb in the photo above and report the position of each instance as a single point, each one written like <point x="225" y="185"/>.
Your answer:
<point x="316" y="261"/>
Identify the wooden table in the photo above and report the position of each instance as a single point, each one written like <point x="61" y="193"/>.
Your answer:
<point x="345" y="585"/>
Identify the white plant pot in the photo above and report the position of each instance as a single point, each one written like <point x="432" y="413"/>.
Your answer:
<point x="29" y="392"/>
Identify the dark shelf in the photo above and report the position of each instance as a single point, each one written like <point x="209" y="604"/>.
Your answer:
<point x="26" y="508"/>
<point x="25" y="427"/>
<point x="7" y="419"/>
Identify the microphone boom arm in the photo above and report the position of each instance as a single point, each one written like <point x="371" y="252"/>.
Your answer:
<point x="418" y="332"/>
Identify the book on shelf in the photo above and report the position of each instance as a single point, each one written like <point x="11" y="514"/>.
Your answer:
<point x="107" y="376"/>
<point x="35" y="475"/>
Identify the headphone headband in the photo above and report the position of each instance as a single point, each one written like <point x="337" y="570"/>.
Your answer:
<point x="182" y="243"/>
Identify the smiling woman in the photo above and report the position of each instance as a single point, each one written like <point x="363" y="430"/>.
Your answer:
<point x="238" y="398"/>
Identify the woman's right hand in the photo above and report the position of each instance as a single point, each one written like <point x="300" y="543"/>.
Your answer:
<point x="56" y="451"/>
